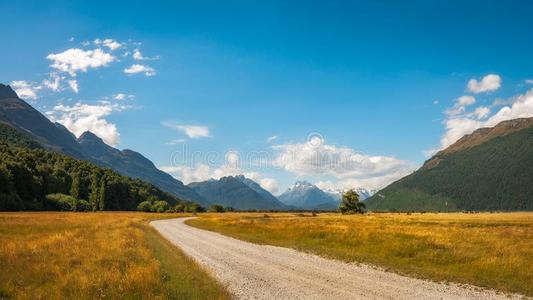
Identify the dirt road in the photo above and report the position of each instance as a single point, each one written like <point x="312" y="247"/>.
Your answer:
<point x="266" y="272"/>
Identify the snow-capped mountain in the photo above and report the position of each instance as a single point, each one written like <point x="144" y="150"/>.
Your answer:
<point x="305" y="195"/>
<point x="362" y="192"/>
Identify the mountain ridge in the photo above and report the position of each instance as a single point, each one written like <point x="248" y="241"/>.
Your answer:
<point x="21" y="116"/>
<point x="489" y="169"/>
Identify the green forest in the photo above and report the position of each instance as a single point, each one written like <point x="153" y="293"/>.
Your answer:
<point x="493" y="176"/>
<point x="32" y="178"/>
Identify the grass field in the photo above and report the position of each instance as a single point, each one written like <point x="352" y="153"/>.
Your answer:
<point x="488" y="250"/>
<point x="95" y="255"/>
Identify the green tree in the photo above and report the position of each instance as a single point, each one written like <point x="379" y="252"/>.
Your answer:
<point x="216" y="208"/>
<point x="350" y="203"/>
<point x="102" y="194"/>
<point x="145" y="206"/>
<point x="95" y="195"/>
<point x="160" y="206"/>
<point x="75" y="187"/>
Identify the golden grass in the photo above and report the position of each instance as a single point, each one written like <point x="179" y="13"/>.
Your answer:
<point x="95" y="255"/>
<point x="489" y="250"/>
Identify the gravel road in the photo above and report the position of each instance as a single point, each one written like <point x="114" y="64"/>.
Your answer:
<point x="253" y="271"/>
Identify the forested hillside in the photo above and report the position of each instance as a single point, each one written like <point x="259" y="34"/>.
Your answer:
<point x="491" y="169"/>
<point x="32" y="178"/>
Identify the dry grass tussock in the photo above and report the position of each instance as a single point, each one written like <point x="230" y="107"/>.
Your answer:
<point x="95" y="255"/>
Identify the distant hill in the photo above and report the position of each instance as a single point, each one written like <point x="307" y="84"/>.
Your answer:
<point x="133" y="164"/>
<point x="490" y="169"/>
<point x="238" y="192"/>
<point x="21" y="116"/>
<point x="304" y="195"/>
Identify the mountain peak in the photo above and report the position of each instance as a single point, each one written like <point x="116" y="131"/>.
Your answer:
<point x="302" y="184"/>
<point x="89" y="136"/>
<point x="7" y="92"/>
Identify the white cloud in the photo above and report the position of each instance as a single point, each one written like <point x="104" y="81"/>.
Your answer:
<point x="457" y="126"/>
<point x="25" y="89"/>
<point x="53" y="83"/>
<point x="271" y="138"/>
<point x="192" y="131"/>
<point x="489" y="83"/>
<point x="460" y="105"/>
<point x="73" y="85"/>
<point x="75" y="60"/>
<point x="466" y="100"/>
<point x="481" y="112"/>
<point x="122" y="96"/>
<point x="343" y="163"/>
<point x="109" y="43"/>
<point x="137" y="55"/>
<point x="82" y="117"/>
<point x="435" y="102"/>
<point x="137" y="68"/>
<point x="529" y="81"/>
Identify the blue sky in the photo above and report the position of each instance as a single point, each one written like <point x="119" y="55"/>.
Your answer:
<point x="376" y="83"/>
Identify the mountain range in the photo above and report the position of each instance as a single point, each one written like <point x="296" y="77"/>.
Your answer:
<point x="238" y="192"/>
<point x="18" y="114"/>
<point x="490" y="169"/>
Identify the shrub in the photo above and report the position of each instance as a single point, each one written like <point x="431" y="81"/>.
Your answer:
<point x="160" y="206"/>
<point x="194" y="208"/>
<point x="180" y="207"/>
<point x="144" y="206"/>
<point x="62" y="202"/>
<point x="83" y="205"/>
<point x="216" y="208"/>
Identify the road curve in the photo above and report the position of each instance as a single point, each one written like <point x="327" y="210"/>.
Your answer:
<point x="253" y="271"/>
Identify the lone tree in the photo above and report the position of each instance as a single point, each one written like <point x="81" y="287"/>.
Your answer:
<point x="350" y="203"/>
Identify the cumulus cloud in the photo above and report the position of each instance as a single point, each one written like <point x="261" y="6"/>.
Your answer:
<point x="460" y="105"/>
<point x="192" y="131"/>
<point x="82" y="117"/>
<point x="529" y="81"/>
<point x="75" y="60"/>
<point x="138" y="68"/>
<point x="109" y="43"/>
<point x="73" y="85"/>
<point x="456" y="127"/>
<point x="488" y="83"/>
<point x="343" y="163"/>
<point x="53" y="83"/>
<point x="25" y="89"/>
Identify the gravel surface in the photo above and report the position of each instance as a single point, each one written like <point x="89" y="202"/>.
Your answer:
<point x="253" y="271"/>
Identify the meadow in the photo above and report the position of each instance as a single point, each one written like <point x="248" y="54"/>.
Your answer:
<point x="53" y="255"/>
<point x="492" y="250"/>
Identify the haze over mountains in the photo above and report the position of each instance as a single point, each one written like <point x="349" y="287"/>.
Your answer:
<point x="490" y="169"/>
<point x="238" y="192"/>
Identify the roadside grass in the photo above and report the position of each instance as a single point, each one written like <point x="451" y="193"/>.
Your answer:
<point x="488" y="250"/>
<point x="93" y="256"/>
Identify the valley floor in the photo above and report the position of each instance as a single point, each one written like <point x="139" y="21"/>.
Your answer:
<point x="254" y="271"/>
<point x="490" y="250"/>
<point x="58" y="255"/>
